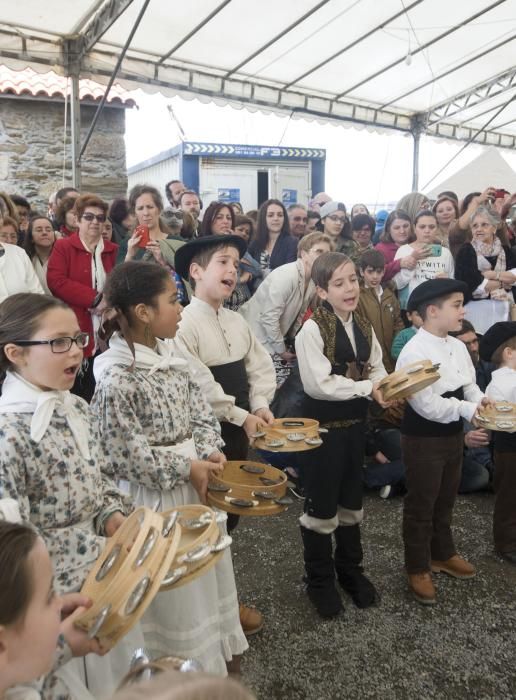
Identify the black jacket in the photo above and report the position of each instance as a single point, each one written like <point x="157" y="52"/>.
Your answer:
<point x="284" y="251"/>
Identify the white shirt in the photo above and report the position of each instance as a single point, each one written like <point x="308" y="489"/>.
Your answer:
<point x="456" y="370"/>
<point x="218" y="338"/>
<point x="502" y="386"/>
<point x="315" y="368"/>
<point x="16" y="273"/>
<point x="426" y="269"/>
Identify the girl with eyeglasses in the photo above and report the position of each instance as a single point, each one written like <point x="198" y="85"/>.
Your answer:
<point x="77" y="270"/>
<point x="52" y="465"/>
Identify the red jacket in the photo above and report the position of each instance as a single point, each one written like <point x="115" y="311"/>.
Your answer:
<point x="69" y="278"/>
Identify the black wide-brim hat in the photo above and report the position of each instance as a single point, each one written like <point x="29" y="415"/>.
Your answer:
<point x="188" y="251"/>
<point x="435" y="289"/>
<point x="497" y="335"/>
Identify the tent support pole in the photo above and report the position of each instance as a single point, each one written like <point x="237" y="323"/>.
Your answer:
<point x="417" y="127"/>
<point x="75" y="119"/>
<point x="112" y="78"/>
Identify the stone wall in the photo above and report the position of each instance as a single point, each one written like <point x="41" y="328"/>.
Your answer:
<point x="31" y="150"/>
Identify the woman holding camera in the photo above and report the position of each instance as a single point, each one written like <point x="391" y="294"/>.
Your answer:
<point x="438" y="261"/>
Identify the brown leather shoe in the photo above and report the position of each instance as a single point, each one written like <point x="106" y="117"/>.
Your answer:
<point x="422" y="588"/>
<point x="455" y="566"/>
<point x="250" y="619"/>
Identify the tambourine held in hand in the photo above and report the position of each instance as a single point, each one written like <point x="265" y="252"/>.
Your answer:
<point x="289" y="435"/>
<point x="200" y="546"/>
<point x="128" y="574"/>
<point x="500" y="417"/>
<point x="249" y="488"/>
<point x="409" y="380"/>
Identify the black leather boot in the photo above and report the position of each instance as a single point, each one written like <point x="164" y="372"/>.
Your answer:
<point x="320" y="573"/>
<point x="348" y="565"/>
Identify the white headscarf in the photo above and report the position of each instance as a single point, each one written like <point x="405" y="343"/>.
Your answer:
<point x="145" y="358"/>
<point x="20" y="396"/>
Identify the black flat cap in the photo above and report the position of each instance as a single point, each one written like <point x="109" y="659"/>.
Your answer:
<point x="189" y="250"/>
<point x="435" y="289"/>
<point x="495" y="336"/>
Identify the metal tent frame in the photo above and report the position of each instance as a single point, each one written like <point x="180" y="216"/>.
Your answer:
<point x="85" y="50"/>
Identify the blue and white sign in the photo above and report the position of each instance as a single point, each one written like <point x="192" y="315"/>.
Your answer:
<point x="231" y="194"/>
<point x="289" y="197"/>
<point x="227" y="150"/>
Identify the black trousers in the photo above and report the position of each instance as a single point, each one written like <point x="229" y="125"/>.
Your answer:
<point x="333" y="473"/>
<point x="433" y="468"/>
<point x="236" y="447"/>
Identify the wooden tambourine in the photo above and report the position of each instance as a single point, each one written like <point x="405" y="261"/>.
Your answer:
<point x="143" y="669"/>
<point x="249" y="488"/>
<point x="289" y="435"/>
<point x="500" y="417"/>
<point x="200" y="547"/>
<point x="409" y="380"/>
<point x="129" y="573"/>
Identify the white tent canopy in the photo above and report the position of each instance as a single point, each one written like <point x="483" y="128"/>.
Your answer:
<point x="489" y="169"/>
<point x="433" y="66"/>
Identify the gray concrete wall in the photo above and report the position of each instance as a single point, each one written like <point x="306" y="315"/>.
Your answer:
<point x="31" y="150"/>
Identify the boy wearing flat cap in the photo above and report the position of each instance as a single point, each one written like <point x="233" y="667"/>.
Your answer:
<point x="498" y="345"/>
<point x="432" y="436"/>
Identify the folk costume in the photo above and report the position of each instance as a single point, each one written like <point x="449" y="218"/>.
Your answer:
<point x="239" y="364"/>
<point x="503" y="388"/>
<point x="52" y="465"/>
<point x="433" y="438"/>
<point x="223" y="341"/>
<point x="338" y="363"/>
<point x="153" y="421"/>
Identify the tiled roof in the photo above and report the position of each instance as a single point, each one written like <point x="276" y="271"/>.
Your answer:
<point x="28" y="82"/>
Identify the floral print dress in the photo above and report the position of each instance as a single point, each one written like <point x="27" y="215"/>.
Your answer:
<point x="141" y="412"/>
<point x="67" y="498"/>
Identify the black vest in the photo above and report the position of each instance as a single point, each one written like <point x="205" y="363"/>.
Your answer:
<point x="416" y="425"/>
<point x="233" y="379"/>
<point x="339" y="351"/>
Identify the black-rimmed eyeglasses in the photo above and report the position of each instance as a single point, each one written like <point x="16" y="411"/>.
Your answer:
<point x="58" y="345"/>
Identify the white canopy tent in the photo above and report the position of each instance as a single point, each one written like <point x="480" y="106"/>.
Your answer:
<point x="489" y="169"/>
<point x="441" y="68"/>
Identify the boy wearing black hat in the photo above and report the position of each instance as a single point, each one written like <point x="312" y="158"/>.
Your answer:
<point x="498" y="345"/>
<point x="432" y="436"/>
<point x="223" y="341"/>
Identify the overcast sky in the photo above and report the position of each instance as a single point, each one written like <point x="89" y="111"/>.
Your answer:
<point x="360" y="166"/>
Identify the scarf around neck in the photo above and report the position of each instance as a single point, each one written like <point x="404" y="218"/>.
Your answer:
<point x="490" y="250"/>
<point x="20" y="396"/>
<point x="145" y="358"/>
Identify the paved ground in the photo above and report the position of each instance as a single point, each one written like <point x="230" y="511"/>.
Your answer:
<point x="463" y="647"/>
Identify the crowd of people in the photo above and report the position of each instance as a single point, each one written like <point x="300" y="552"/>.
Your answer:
<point x="143" y="345"/>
